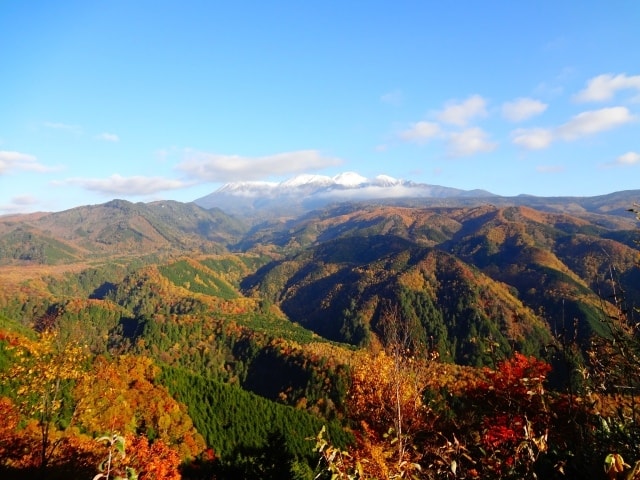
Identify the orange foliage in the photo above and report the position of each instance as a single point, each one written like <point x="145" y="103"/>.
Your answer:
<point x="20" y="446"/>
<point x="78" y="455"/>
<point x="155" y="461"/>
<point x="13" y="447"/>
<point x="498" y="426"/>
<point x="120" y="396"/>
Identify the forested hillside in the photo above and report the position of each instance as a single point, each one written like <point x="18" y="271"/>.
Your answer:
<point x="476" y="341"/>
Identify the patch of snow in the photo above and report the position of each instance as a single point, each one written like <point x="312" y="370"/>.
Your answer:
<point x="386" y="181"/>
<point x="305" y="180"/>
<point x="349" y="179"/>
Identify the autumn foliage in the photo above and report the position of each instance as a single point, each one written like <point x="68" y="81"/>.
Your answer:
<point x="457" y="422"/>
<point x="115" y="397"/>
<point x="61" y="402"/>
<point x="135" y="355"/>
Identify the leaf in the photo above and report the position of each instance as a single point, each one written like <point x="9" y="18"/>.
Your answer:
<point x="131" y="474"/>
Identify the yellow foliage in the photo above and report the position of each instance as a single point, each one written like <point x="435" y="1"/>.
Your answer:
<point x="40" y="367"/>
<point x="380" y="392"/>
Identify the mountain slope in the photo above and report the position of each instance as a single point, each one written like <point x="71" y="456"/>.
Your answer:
<point x="511" y="276"/>
<point x="115" y="228"/>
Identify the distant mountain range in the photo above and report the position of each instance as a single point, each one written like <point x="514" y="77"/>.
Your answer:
<point x="306" y="192"/>
<point x="246" y="213"/>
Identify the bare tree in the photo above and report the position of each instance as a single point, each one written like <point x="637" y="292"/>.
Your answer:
<point x="406" y="381"/>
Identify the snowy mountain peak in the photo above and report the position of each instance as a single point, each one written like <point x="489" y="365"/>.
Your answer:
<point x="306" y="179"/>
<point x="386" y="180"/>
<point x="307" y="191"/>
<point x="247" y="185"/>
<point x="349" y="179"/>
<point x="247" y="189"/>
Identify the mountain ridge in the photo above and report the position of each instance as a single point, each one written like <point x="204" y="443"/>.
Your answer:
<point x="306" y="192"/>
<point x="115" y="227"/>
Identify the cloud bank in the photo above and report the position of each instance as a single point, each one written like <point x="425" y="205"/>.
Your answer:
<point x="461" y="113"/>
<point x="629" y="158"/>
<point x="208" y="167"/>
<point x="532" y="138"/>
<point x="18" y="204"/>
<point x="421" y="132"/>
<point x="604" y="87"/>
<point x="581" y="125"/>
<point x="469" y="142"/>
<point x="130" y="186"/>
<point x="10" y="161"/>
<point x="595" y="121"/>
<point x="522" y="109"/>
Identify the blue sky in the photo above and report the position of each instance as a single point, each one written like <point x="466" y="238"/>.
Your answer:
<point x="147" y="100"/>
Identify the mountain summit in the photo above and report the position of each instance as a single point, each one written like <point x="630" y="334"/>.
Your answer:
<point x="306" y="191"/>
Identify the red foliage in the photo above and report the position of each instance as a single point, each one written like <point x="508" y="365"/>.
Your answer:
<point x="518" y="377"/>
<point x="13" y="446"/>
<point x="156" y="461"/>
<point x="20" y="446"/>
<point x="515" y="414"/>
<point x="502" y="430"/>
<point x="10" y="338"/>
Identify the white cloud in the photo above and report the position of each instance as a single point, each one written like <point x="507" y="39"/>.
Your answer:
<point x="21" y="161"/>
<point x="209" y="167"/>
<point x="594" y="121"/>
<point x="76" y="129"/>
<point x="461" y="113"/>
<point x="371" y="191"/>
<point x="550" y="169"/>
<point x="522" y="108"/>
<point x="532" y="138"/>
<point x="469" y="142"/>
<point x="18" y="204"/>
<point x="394" y="98"/>
<point x="108" y="137"/>
<point x="629" y="158"/>
<point x="24" y="200"/>
<point x="581" y="125"/>
<point x="604" y="87"/>
<point x="421" y="132"/>
<point x="130" y="186"/>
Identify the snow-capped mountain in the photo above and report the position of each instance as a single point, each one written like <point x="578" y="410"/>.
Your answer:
<point x="306" y="191"/>
<point x="349" y="179"/>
